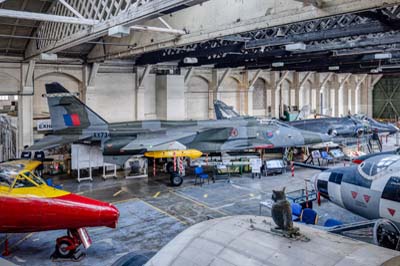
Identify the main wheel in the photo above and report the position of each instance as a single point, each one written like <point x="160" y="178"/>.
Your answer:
<point x="176" y="180"/>
<point x="63" y="248"/>
<point x="170" y="167"/>
<point x="386" y="234"/>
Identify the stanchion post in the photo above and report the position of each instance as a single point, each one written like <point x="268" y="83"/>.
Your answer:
<point x="174" y="161"/>
<point x="319" y="198"/>
<point x="292" y="167"/>
<point x="6" y="250"/>
<point x="306" y="193"/>
<point x="154" y="166"/>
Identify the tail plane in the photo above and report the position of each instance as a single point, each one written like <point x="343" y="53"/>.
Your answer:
<point x="71" y="120"/>
<point x="67" y="112"/>
<point x="224" y="111"/>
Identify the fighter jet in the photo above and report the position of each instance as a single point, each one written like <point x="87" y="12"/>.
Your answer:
<point x="72" y="121"/>
<point x="371" y="189"/>
<point x="28" y="204"/>
<point x="349" y="126"/>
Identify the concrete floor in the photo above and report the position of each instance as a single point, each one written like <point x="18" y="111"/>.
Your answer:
<point x="152" y="213"/>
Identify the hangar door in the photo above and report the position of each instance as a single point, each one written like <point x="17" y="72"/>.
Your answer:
<point x="386" y="98"/>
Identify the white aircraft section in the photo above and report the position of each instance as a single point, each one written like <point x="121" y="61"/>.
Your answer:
<point x="231" y="241"/>
<point x="381" y="166"/>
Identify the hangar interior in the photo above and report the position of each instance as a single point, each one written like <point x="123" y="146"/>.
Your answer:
<point x="150" y="60"/>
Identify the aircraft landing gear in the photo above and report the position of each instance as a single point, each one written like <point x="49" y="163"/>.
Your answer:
<point x="6" y="250"/>
<point x="175" y="179"/>
<point x="67" y="247"/>
<point x="386" y="234"/>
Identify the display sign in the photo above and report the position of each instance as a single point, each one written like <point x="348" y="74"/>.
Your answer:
<point x="255" y="165"/>
<point x="43" y="125"/>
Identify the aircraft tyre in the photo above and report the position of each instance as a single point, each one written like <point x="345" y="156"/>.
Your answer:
<point x="386" y="234"/>
<point x="170" y="167"/>
<point x="63" y="249"/>
<point x="176" y="179"/>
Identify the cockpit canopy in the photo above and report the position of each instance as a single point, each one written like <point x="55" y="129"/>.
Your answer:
<point x="378" y="164"/>
<point x="12" y="176"/>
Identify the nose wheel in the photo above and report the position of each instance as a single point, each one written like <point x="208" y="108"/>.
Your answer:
<point x="67" y="247"/>
<point x="386" y="234"/>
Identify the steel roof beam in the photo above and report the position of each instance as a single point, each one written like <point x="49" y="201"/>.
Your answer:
<point x="70" y="8"/>
<point x="148" y="10"/>
<point x="7" y="13"/>
<point x="197" y="34"/>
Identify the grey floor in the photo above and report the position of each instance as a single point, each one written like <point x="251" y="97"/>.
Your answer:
<point x="152" y="213"/>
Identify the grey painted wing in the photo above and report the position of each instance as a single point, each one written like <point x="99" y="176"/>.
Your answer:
<point x="53" y="141"/>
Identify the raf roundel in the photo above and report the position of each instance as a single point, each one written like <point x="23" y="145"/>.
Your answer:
<point x="234" y="132"/>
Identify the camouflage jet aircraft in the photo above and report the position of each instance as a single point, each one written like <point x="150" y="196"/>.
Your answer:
<point x="349" y="126"/>
<point x="72" y="121"/>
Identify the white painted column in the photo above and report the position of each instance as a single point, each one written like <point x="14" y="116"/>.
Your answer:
<point x="250" y="93"/>
<point x="301" y="97"/>
<point x="350" y="99"/>
<point x="140" y="103"/>
<point x="170" y="97"/>
<point x="25" y="120"/>
<point x="343" y="101"/>
<point x="336" y="102"/>
<point x="25" y="107"/>
<point x="140" y="89"/>
<point x="277" y="101"/>
<point x="370" y="100"/>
<point x="324" y="103"/>
<point x="357" y="99"/>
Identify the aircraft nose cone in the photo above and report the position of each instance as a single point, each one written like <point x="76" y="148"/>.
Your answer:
<point x="110" y="216"/>
<point x="79" y="211"/>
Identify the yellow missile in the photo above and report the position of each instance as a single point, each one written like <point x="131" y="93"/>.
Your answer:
<point x="192" y="154"/>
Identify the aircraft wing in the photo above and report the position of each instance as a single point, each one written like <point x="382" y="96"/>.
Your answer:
<point x="158" y="142"/>
<point x="52" y="141"/>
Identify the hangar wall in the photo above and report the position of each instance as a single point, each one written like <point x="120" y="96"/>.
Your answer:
<point x="126" y="95"/>
<point x="113" y="96"/>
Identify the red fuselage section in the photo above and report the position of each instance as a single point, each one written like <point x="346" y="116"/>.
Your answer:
<point x="20" y="213"/>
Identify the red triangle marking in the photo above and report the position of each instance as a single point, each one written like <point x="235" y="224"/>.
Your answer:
<point x="367" y="198"/>
<point x="391" y="211"/>
<point x="354" y="194"/>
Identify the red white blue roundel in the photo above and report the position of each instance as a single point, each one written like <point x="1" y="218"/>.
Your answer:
<point x="270" y="134"/>
<point x="234" y="132"/>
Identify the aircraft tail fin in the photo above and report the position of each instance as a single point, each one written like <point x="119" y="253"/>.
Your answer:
<point x="67" y="112"/>
<point x="224" y="111"/>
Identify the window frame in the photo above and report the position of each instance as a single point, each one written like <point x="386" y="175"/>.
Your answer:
<point x="21" y="175"/>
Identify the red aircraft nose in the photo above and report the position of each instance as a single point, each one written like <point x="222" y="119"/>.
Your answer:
<point x="109" y="216"/>
<point x="74" y="211"/>
<point x="70" y="211"/>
